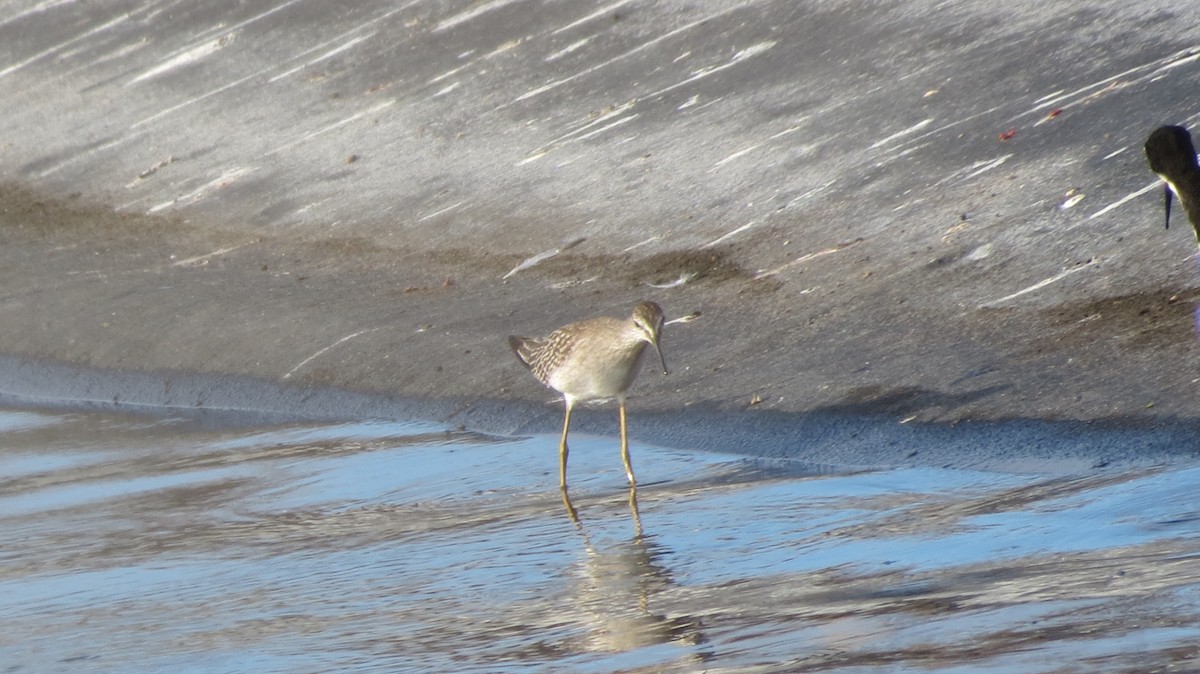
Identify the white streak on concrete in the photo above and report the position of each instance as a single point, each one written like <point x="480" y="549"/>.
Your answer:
<point x="262" y="71"/>
<point x="642" y="243"/>
<point x="184" y="58"/>
<point x="1192" y="55"/>
<point x="603" y="11"/>
<point x="1114" y="153"/>
<point x="683" y="279"/>
<point x="545" y="150"/>
<point x="340" y="37"/>
<point x="120" y="52"/>
<point x="1157" y="184"/>
<point x="811" y="193"/>
<point x="219" y="89"/>
<point x="336" y="125"/>
<point x="900" y="134"/>
<point x="713" y="70"/>
<point x="785" y="132"/>
<point x="203" y="259"/>
<point x="574" y="46"/>
<point x="536" y="155"/>
<point x="578" y="134"/>
<point x="968" y="172"/>
<point x="78" y="157"/>
<point x="63" y="45"/>
<point x="620" y="57"/>
<point x="748" y="150"/>
<point x="198" y="193"/>
<point x="477" y="10"/>
<point x="983" y="167"/>
<point x="572" y="282"/>
<point x="1071" y="201"/>
<point x="506" y="47"/>
<point x="1048" y="97"/>
<point x="753" y="50"/>
<point x="327" y="55"/>
<point x="543" y="256"/>
<point x="191" y="101"/>
<point x="981" y="253"/>
<point x="313" y="205"/>
<point x="449" y="73"/>
<point x="445" y="90"/>
<point x="1158" y="68"/>
<point x="606" y="127"/>
<point x="1059" y="100"/>
<point x="36" y="9"/>
<point x="440" y="212"/>
<point x="222" y="29"/>
<point x="911" y="149"/>
<point x="908" y="204"/>
<point x="210" y="38"/>
<point x="931" y="132"/>
<point x="735" y="232"/>
<point x="1041" y="284"/>
<point x="805" y="258"/>
<point x="326" y="349"/>
<point x="615" y="112"/>
<point x="735" y="155"/>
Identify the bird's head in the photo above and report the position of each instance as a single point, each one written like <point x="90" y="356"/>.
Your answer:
<point x="1172" y="156"/>
<point x="648" y="318"/>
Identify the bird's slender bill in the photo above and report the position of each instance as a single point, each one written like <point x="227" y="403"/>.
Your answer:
<point x="661" y="359"/>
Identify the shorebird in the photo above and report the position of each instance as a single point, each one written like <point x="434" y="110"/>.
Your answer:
<point x="595" y="359"/>
<point x="1173" y="157"/>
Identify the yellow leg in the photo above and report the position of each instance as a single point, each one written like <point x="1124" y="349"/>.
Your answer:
<point x="625" y="449"/>
<point x="562" y="450"/>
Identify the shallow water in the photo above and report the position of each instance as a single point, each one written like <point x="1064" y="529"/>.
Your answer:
<point x="213" y="544"/>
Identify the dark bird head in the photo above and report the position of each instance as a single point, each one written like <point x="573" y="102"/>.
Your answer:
<point x="1172" y="156"/>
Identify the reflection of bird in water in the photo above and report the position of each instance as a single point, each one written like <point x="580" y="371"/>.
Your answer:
<point x="615" y="590"/>
<point x="1172" y="156"/>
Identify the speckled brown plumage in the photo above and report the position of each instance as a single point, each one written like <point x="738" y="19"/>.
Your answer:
<point x="593" y="359"/>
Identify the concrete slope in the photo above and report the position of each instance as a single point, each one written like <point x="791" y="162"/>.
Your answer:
<point x="927" y="211"/>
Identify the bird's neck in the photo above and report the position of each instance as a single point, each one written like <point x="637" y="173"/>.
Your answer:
<point x="1188" y="192"/>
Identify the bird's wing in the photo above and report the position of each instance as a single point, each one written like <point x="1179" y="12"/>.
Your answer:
<point x="525" y="348"/>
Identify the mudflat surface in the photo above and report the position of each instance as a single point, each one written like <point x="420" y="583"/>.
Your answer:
<point x="911" y="211"/>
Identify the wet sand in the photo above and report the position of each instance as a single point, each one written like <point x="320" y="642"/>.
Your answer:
<point x="216" y="543"/>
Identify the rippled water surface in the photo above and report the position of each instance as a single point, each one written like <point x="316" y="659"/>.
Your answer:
<point x="152" y="544"/>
